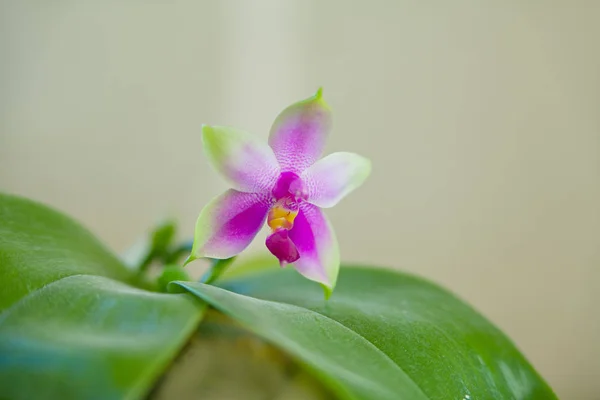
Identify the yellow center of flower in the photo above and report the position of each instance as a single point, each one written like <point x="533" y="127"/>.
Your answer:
<point x="282" y="214"/>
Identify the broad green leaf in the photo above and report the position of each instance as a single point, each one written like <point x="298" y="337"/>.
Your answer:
<point x="382" y="335"/>
<point x="68" y="328"/>
<point x="89" y="337"/>
<point x="349" y="363"/>
<point x="39" y="245"/>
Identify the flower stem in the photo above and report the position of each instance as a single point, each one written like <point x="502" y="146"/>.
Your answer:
<point x="216" y="270"/>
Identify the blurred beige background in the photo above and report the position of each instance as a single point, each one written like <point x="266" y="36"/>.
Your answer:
<point x="481" y="118"/>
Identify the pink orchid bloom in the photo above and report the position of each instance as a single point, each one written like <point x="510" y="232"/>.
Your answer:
<point x="284" y="184"/>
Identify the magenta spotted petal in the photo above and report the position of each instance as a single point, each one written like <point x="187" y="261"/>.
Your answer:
<point x="246" y="162"/>
<point x="299" y="133"/>
<point x="283" y="184"/>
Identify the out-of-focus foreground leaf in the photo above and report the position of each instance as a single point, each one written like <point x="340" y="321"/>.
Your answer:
<point x="72" y="325"/>
<point x="381" y="335"/>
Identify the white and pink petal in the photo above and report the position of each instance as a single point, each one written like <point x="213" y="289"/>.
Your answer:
<point x="299" y="133"/>
<point x="228" y="224"/>
<point x="314" y="238"/>
<point x="330" y="179"/>
<point x="245" y="161"/>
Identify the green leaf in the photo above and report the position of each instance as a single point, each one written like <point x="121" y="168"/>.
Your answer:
<point x="89" y="337"/>
<point x="382" y="335"/>
<point x="68" y="328"/>
<point x="39" y="245"/>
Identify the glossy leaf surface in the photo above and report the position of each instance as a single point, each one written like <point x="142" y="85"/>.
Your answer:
<point x="71" y="324"/>
<point x="382" y="335"/>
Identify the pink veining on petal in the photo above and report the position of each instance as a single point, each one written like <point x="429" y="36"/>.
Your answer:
<point x="298" y="134"/>
<point x="246" y="162"/>
<point x="330" y="179"/>
<point x="256" y="174"/>
<point x="280" y="245"/>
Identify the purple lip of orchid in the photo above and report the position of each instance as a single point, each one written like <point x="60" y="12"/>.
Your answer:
<point x="283" y="183"/>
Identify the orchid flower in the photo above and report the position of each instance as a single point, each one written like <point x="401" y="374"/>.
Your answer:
<point x="284" y="184"/>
